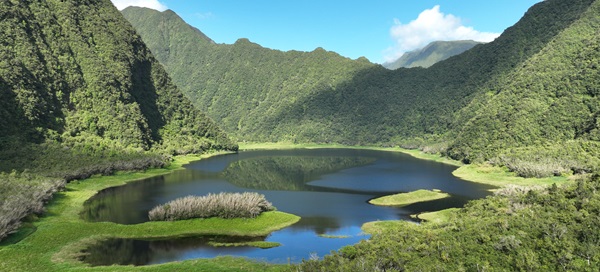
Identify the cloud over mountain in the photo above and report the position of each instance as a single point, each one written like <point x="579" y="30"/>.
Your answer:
<point x="153" y="4"/>
<point x="431" y="25"/>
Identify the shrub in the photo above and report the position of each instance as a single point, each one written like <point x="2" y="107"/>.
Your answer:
<point x="223" y="205"/>
<point x="22" y="194"/>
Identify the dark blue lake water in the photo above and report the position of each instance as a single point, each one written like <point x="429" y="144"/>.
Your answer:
<point x="328" y="188"/>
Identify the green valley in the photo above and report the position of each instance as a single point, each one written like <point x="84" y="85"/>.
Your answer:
<point x="263" y="95"/>
<point x="88" y="91"/>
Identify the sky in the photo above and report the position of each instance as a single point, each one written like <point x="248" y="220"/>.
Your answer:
<point x="380" y="30"/>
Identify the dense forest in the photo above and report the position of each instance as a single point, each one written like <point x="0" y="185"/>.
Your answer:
<point x="81" y="94"/>
<point x="498" y="91"/>
<point x="431" y="54"/>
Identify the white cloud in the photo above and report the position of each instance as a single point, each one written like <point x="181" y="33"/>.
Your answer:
<point x="153" y="4"/>
<point x="431" y="25"/>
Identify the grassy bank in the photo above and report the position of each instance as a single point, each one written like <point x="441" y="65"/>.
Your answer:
<point x="61" y="233"/>
<point x="501" y="177"/>
<point x="408" y="198"/>
<point x="442" y="216"/>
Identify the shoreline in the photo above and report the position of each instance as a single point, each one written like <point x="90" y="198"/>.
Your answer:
<point x="403" y="199"/>
<point x="483" y="174"/>
<point x="61" y="234"/>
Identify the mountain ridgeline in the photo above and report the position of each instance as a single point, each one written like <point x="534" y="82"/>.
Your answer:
<point x="78" y="74"/>
<point x="81" y="94"/>
<point x="482" y="105"/>
<point x="431" y="54"/>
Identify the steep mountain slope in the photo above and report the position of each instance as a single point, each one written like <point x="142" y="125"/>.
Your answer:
<point x="242" y="84"/>
<point x="266" y="95"/>
<point x="76" y="73"/>
<point x="431" y="54"/>
<point x="81" y="94"/>
<point x="542" y="117"/>
<point x="467" y="102"/>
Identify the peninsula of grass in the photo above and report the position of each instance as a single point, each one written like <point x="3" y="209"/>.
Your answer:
<point x="437" y="217"/>
<point x="61" y="234"/>
<point x="403" y="199"/>
<point x="257" y="244"/>
<point x="501" y="177"/>
<point x="329" y="236"/>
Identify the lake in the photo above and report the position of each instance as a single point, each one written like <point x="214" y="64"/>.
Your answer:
<point x="328" y="188"/>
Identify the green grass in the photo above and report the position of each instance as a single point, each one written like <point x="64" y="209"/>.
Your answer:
<point x="403" y="199"/>
<point x="61" y="233"/>
<point x="501" y="177"/>
<point x="437" y="217"/>
<point x="258" y="244"/>
<point x="52" y="242"/>
<point x="376" y="227"/>
<point x="329" y="236"/>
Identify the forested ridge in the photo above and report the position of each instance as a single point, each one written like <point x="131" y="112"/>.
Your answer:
<point x="81" y="94"/>
<point x="259" y="94"/>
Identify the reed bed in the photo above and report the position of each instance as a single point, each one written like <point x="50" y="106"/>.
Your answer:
<point x="222" y="205"/>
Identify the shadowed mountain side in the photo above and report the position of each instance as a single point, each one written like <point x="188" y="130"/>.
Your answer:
<point x="260" y="94"/>
<point x="81" y="94"/>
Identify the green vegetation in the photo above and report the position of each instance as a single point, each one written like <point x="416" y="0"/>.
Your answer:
<point x="438" y="217"/>
<point x="258" y="244"/>
<point x="431" y="54"/>
<point x="508" y="102"/>
<point x="61" y="233"/>
<point x="222" y="205"/>
<point x="501" y="176"/>
<point x="408" y="198"/>
<point x="540" y="119"/>
<point x="549" y="229"/>
<point x="333" y="236"/>
<point x="80" y="95"/>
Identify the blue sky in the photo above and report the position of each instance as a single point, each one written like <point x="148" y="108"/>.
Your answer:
<point x="380" y="30"/>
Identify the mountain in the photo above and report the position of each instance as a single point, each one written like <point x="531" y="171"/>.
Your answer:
<point x="431" y="54"/>
<point x="260" y="94"/>
<point x="243" y="85"/>
<point x="81" y="94"/>
<point x="541" y="118"/>
<point x="76" y="73"/>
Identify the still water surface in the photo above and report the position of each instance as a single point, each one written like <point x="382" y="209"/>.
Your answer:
<point x="328" y="188"/>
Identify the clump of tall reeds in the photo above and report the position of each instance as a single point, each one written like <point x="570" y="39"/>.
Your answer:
<point x="22" y="194"/>
<point x="223" y="205"/>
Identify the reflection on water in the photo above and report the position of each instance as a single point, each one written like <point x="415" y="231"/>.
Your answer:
<point x="289" y="173"/>
<point x="328" y="188"/>
<point x="142" y="252"/>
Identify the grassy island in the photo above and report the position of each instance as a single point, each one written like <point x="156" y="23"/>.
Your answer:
<point x="409" y="198"/>
<point x="61" y="234"/>
<point x="222" y="205"/>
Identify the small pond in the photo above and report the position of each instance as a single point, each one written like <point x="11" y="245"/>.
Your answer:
<point x="328" y="188"/>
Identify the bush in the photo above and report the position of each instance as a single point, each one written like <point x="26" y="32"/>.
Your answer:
<point x="223" y="205"/>
<point x="22" y="194"/>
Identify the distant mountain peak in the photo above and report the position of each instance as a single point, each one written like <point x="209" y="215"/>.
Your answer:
<point x="431" y="54"/>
